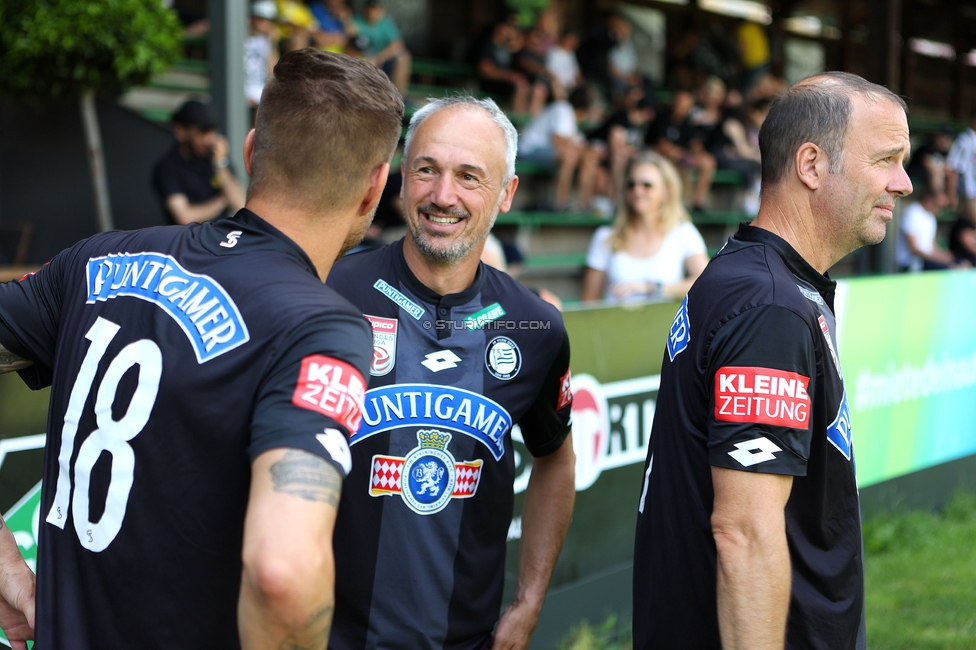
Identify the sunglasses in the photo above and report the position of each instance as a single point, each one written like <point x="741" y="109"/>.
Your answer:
<point x="632" y="184"/>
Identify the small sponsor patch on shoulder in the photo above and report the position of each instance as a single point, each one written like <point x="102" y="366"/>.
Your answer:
<point x="332" y="387"/>
<point x="680" y="335"/>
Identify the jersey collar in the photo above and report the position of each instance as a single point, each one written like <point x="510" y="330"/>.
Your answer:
<point x="248" y="221"/>
<point x="793" y="260"/>
<point x="427" y="294"/>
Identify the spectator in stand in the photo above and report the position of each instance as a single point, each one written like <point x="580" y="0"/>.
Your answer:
<point x="652" y="250"/>
<point x="498" y="76"/>
<point x="961" y="171"/>
<point x="383" y="45"/>
<point x="962" y="241"/>
<point x="336" y="26"/>
<point x="753" y="53"/>
<point x="670" y="134"/>
<point x="531" y="61"/>
<point x="621" y="135"/>
<point x="561" y="61"/>
<point x="553" y="138"/>
<point x="593" y="53"/>
<point x="299" y="26"/>
<point x="742" y="130"/>
<point x="194" y="181"/>
<point x="710" y="123"/>
<point x="928" y="163"/>
<point x="917" y="249"/>
<point x="260" y="49"/>
<point x="623" y="69"/>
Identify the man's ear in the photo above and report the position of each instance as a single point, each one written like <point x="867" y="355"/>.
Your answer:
<point x="248" y="150"/>
<point x="812" y="165"/>
<point x="374" y="190"/>
<point x="508" y="195"/>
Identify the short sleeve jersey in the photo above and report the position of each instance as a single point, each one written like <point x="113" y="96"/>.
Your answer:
<point x="962" y="160"/>
<point x="750" y="382"/>
<point x="421" y="532"/>
<point x="176" y="356"/>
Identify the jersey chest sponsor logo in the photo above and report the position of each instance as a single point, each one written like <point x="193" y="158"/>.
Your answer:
<point x="427" y="405"/>
<point x="333" y="388"/>
<point x="680" y="335"/>
<point x="384" y="345"/>
<point x="762" y="396"/>
<point x="481" y="318"/>
<point x="405" y="303"/>
<point x="839" y="432"/>
<point x="199" y="304"/>
<point x="428" y="477"/>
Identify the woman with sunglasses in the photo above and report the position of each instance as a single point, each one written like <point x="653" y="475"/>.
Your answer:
<point x="652" y="251"/>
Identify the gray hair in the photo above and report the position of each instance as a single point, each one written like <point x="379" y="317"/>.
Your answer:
<point x="489" y="106"/>
<point x="817" y="109"/>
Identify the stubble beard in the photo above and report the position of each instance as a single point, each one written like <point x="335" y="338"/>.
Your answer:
<point x="455" y="249"/>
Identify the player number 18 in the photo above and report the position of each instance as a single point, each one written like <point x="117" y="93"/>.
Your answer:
<point x="111" y="436"/>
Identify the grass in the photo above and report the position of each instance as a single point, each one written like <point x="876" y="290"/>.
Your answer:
<point x="920" y="573"/>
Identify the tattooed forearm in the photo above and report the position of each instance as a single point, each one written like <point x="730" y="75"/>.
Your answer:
<point x="315" y="634"/>
<point x="10" y="361"/>
<point x="308" y="476"/>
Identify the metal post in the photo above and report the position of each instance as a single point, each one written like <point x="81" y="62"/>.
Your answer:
<point x="228" y="27"/>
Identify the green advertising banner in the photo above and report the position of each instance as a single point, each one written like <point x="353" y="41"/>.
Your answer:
<point x="908" y="352"/>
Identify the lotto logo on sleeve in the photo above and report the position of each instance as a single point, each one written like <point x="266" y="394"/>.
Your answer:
<point x="333" y="388"/>
<point x="762" y="396"/>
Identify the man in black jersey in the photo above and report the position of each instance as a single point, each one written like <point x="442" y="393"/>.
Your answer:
<point x="204" y="384"/>
<point x="461" y="353"/>
<point x="748" y="533"/>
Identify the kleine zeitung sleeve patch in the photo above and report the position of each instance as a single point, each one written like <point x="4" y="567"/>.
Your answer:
<point x="332" y="387"/>
<point x="762" y="396"/>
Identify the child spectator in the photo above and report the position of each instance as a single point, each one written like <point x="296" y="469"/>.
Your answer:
<point x="260" y="49"/>
<point x="382" y="44"/>
<point x="670" y="134"/>
<point x="335" y="22"/>
<point x="553" y="138"/>
<point x="561" y="61"/>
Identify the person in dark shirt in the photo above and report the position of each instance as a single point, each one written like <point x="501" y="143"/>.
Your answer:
<point x="748" y="526"/>
<point x="204" y="382"/>
<point x="672" y="135"/>
<point x="194" y="181"/>
<point x="426" y="510"/>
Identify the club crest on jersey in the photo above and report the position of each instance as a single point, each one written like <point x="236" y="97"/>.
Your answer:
<point x="198" y="303"/>
<point x="839" y="432"/>
<point x="428" y="477"/>
<point x="680" y="335"/>
<point x="503" y="358"/>
<point x="430" y="405"/>
<point x="384" y="345"/>
<point x="405" y="303"/>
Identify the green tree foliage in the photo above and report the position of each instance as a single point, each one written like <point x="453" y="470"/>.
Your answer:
<point x="57" y="48"/>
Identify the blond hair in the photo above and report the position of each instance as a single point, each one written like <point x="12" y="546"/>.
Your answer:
<point x="673" y="211"/>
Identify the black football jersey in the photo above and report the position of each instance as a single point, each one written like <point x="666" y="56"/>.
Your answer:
<point x="421" y="531"/>
<point x="176" y="356"/>
<point x="751" y="382"/>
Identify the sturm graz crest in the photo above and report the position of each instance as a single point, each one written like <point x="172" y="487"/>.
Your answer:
<point x="428" y="474"/>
